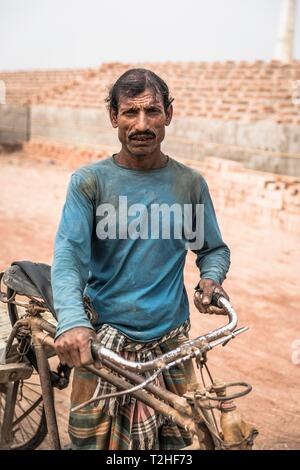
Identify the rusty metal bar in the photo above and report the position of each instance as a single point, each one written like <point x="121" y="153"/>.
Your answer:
<point x="179" y="403"/>
<point x="38" y="338"/>
<point x="182" y="420"/>
<point x="45" y="325"/>
<point x="8" y="416"/>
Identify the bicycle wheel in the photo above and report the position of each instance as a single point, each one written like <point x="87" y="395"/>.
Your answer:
<point x="29" y="427"/>
<point x="29" y="422"/>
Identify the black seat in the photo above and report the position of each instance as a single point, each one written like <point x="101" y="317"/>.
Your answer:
<point x="15" y="278"/>
<point x="33" y="279"/>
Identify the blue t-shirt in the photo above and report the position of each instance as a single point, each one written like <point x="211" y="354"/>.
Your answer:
<point x="109" y="248"/>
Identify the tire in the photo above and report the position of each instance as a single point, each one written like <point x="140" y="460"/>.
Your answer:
<point x="29" y="427"/>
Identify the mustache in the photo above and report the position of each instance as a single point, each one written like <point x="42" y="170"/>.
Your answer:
<point x="148" y="133"/>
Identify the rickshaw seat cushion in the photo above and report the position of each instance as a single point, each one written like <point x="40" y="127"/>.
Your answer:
<point x="33" y="279"/>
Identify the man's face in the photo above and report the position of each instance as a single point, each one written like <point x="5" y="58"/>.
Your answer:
<point x="141" y="122"/>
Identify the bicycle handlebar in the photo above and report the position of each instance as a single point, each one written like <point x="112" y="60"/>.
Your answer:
<point x="189" y="348"/>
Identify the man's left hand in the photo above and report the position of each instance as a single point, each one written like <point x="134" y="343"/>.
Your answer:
<point x="202" y="300"/>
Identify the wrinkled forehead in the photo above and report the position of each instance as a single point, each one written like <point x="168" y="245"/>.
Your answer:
<point x="147" y="98"/>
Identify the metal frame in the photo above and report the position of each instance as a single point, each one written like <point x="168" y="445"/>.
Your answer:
<point x="193" y="411"/>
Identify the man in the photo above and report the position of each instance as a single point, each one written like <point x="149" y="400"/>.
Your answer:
<point x="109" y="248"/>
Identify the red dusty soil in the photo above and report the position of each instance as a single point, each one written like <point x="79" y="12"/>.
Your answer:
<point x="263" y="284"/>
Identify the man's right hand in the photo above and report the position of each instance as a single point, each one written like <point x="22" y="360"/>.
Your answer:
<point x="74" y="346"/>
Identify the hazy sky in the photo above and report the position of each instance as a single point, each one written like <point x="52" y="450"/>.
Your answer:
<point x="83" y="33"/>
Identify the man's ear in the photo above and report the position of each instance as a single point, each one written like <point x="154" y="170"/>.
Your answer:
<point x="113" y="114"/>
<point x="169" y="114"/>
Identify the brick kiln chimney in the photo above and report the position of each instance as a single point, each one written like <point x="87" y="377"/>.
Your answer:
<point x="285" y="41"/>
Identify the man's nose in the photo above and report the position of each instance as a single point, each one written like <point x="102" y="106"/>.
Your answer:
<point x="141" y="123"/>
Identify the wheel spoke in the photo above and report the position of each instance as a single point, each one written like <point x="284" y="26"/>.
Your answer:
<point x="30" y="420"/>
<point x="32" y="385"/>
<point x="27" y="412"/>
<point x="21" y="432"/>
<point x="32" y="390"/>
<point x="28" y="416"/>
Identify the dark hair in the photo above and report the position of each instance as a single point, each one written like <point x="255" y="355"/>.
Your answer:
<point x="135" y="81"/>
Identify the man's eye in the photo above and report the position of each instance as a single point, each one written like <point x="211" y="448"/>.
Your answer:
<point x="130" y="112"/>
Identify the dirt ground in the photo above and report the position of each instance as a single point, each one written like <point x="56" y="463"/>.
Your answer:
<point x="263" y="284"/>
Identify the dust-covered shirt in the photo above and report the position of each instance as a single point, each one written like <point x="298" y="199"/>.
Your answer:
<point x="119" y="243"/>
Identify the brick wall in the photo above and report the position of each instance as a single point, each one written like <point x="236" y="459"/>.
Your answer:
<point x="226" y="90"/>
<point x="22" y="87"/>
<point x="255" y="196"/>
<point x="233" y="110"/>
<point x="56" y="153"/>
<point x="217" y="90"/>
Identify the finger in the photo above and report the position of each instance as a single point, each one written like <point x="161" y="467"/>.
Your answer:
<point x="61" y="353"/>
<point x="75" y="357"/>
<point x="198" y="303"/>
<point x="86" y="357"/>
<point x="221" y="291"/>
<point x="98" y="364"/>
<point x="197" y="297"/>
<point x="67" y="360"/>
<point x="216" y="310"/>
<point x="62" y="358"/>
<point x="207" y="294"/>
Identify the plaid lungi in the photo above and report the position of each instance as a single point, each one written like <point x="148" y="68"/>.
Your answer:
<point x="124" y="423"/>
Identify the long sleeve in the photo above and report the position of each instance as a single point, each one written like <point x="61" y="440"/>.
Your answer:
<point x="72" y="254"/>
<point x="213" y="259"/>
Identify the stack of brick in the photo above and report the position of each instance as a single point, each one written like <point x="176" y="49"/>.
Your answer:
<point x="235" y="90"/>
<point x="87" y="91"/>
<point x="253" y="195"/>
<point x="68" y="156"/>
<point x="22" y="87"/>
<point x="227" y="91"/>
<point x="217" y="90"/>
